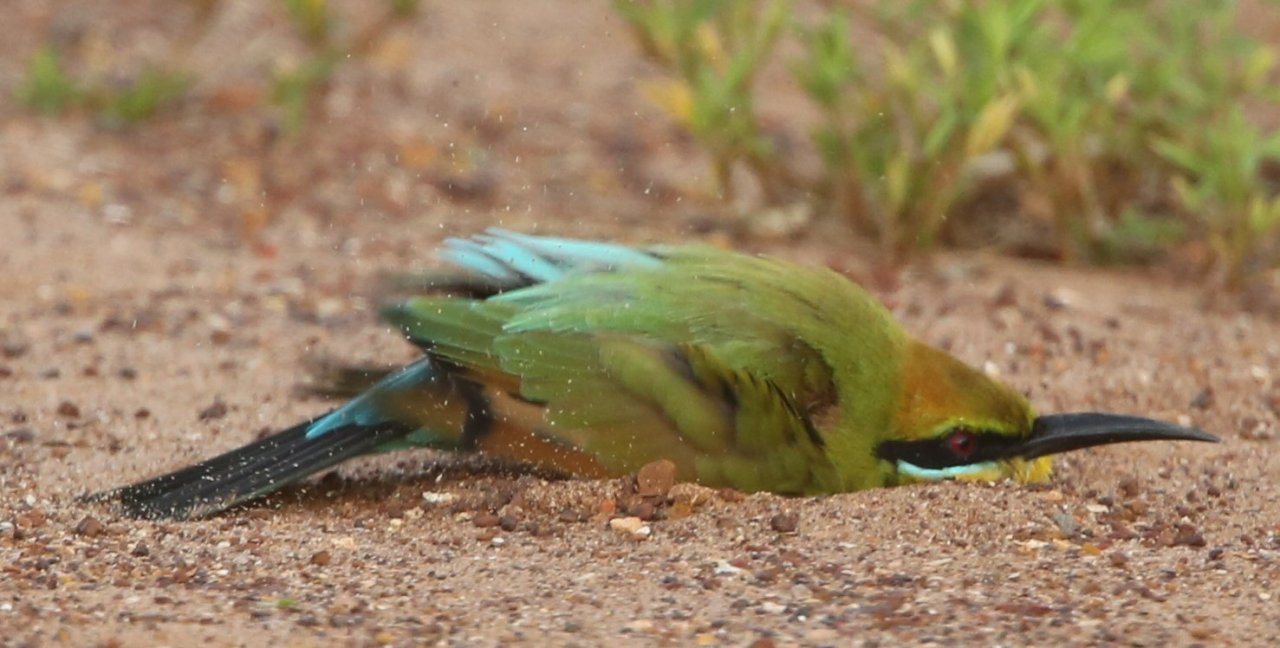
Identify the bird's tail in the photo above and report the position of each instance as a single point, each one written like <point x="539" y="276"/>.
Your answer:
<point x="249" y="471"/>
<point x="423" y="404"/>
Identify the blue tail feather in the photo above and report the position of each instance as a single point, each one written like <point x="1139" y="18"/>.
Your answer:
<point x="363" y="410"/>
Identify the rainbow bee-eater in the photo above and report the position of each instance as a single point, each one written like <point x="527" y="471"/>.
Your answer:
<point x="593" y="359"/>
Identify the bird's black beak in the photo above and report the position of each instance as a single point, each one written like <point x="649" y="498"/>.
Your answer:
<point x="1065" y="432"/>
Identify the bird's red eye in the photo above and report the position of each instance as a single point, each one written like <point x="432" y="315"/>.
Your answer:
<point x="962" y="443"/>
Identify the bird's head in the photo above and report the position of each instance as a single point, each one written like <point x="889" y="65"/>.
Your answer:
<point x="953" y="422"/>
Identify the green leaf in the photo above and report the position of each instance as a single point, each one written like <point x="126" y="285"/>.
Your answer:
<point x="48" y="88"/>
<point x="940" y="133"/>
<point x="147" y="94"/>
<point x="1176" y="152"/>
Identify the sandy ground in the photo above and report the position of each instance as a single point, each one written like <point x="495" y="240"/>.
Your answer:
<point x="165" y="290"/>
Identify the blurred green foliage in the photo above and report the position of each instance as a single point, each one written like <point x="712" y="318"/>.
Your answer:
<point x="51" y="89"/>
<point x="312" y="20"/>
<point x="297" y="89"/>
<point x="1120" y="127"/>
<point x="48" y="88"/>
<point x="143" y="96"/>
<point x="715" y="49"/>
<point x="1220" y="182"/>
<point x="1116" y="122"/>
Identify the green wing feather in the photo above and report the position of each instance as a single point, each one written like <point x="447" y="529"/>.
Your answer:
<point x="630" y="400"/>
<point x="752" y="311"/>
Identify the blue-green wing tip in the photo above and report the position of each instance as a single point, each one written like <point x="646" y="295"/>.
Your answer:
<point x="504" y="255"/>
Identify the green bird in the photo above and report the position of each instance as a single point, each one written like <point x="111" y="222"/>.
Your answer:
<point x="593" y="359"/>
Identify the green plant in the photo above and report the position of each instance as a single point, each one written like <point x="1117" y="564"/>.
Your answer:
<point x="141" y="98"/>
<point x="405" y="8"/>
<point x="900" y="145"/>
<point x="1127" y="75"/>
<point x="1057" y="102"/>
<point x="51" y="90"/>
<point x="48" y="88"/>
<point x="296" y="89"/>
<point x="1219" y="183"/>
<point x="312" y="20"/>
<point x="715" y="49"/>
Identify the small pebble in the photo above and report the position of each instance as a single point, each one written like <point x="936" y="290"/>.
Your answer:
<point x="1203" y="400"/>
<point x="642" y="509"/>
<point x="639" y="625"/>
<point x="633" y="526"/>
<point x="1060" y="298"/>
<point x="215" y="411"/>
<point x="786" y="522"/>
<point x="991" y="369"/>
<point x="1189" y="538"/>
<point x="89" y="527"/>
<point x="731" y="495"/>
<point x="772" y="607"/>
<point x="725" y="568"/>
<point x="1256" y="430"/>
<point x="1260" y="374"/>
<point x="14" y="349"/>
<point x="1008" y="296"/>
<point x="656" y="478"/>
<point x="20" y="435"/>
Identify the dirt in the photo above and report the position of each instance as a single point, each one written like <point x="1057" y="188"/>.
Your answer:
<point x="166" y="291"/>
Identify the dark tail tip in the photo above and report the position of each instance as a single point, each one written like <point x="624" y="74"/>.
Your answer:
<point x="246" y="473"/>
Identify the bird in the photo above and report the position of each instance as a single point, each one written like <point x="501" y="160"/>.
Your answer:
<point x="592" y="359"/>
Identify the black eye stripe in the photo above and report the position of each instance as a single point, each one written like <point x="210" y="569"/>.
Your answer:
<point x="936" y="453"/>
